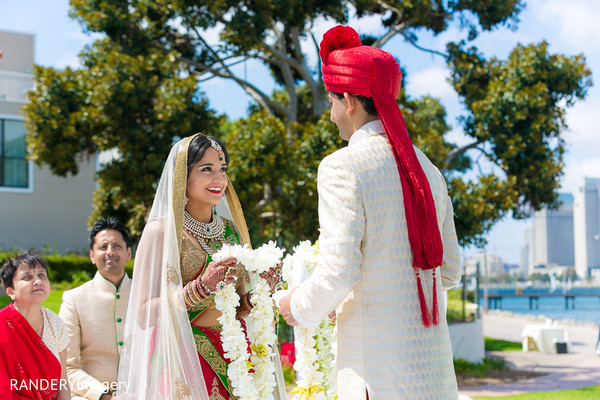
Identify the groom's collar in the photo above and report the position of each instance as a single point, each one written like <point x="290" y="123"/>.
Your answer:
<point x="368" y="129"/>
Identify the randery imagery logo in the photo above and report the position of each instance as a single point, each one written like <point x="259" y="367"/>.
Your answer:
<point x="57" y="384"/>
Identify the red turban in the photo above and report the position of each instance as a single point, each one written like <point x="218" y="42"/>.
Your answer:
<point x="349" y="66"/>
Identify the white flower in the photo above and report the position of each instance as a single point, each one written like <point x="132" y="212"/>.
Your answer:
<point x="315" y="360"/>
<point x="260" y="384"/>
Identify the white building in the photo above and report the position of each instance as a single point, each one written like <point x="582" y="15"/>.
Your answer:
<point x="37" y="208"/>
<point x="553" y="235"/>
<point x="549" y="242"/>
<point x="527" y="264"/>
<point x="586" y="212"/>
<point x="487" y="262"/>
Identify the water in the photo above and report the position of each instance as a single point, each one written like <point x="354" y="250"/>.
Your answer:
<point x="587" y="308"/>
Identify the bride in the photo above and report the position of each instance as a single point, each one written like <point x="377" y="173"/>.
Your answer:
<point x="173" y="346"/>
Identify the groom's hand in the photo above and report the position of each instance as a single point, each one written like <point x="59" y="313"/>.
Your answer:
<point x="285" y="310"/>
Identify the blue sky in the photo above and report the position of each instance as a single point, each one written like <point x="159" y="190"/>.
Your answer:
<point x="570" y="27"/>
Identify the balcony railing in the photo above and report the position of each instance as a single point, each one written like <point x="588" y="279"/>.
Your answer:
<point x="14" y="86"/>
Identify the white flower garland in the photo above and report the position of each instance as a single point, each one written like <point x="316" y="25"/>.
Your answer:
<point x="315" y="358"/>
<point x="260" y="384"/>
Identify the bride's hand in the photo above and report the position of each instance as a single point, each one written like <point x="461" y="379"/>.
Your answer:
<point x="272" y="276"/>
<point x="224" y="270"/>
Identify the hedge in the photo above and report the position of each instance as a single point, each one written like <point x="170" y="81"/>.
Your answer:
<point x="67" y="268"/>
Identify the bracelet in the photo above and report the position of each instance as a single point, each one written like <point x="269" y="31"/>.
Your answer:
<point x="205" y="291"/>
<point x="246" y="303"/>
<point x="194" y="294"/>
<point x="196" y="291"/>
<point x="187" y="296"/>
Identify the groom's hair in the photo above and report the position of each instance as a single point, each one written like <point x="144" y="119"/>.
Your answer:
<point x="366" y="102"/>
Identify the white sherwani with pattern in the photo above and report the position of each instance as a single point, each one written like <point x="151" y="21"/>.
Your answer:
<point x="366" y="274"/>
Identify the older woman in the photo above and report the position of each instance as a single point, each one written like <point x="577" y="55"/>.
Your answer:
<point x="33" y="339"/>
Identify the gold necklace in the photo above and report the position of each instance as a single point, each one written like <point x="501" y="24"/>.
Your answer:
<point x="37" y="324"/>
<point x="204" y="233"/>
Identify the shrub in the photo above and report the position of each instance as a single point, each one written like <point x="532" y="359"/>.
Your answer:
<point x="74" y="269"/>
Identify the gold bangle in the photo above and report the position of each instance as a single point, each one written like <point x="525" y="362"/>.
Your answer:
<point x="186" y="297"/>
<point x="197" y="292"/>
<point x="193" y="295"/>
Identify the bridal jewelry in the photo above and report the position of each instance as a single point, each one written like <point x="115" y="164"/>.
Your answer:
<point x="202" y="232"/>
<point x="217" y="147"/>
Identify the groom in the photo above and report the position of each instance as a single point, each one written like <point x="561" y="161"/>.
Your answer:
<point x="387" y="238"/>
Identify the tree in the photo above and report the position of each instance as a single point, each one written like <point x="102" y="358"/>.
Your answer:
<point x="516" y="117"/>
<point x="275" y="174"/>
<point x="131" y="107"/>
<point x="514" y="107"/>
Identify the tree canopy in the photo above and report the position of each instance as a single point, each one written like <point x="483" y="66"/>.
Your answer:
<point x="140" y="87"/>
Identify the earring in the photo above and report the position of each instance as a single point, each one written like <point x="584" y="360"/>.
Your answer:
<point x="186" y="200"/>
<point x="214" y="210"/>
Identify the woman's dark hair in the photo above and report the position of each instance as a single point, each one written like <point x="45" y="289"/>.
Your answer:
<point x="366" y="102"/>
<point x="198" y="147"/>
<point x="109" y="223"/>
<point x="30" y="258"/>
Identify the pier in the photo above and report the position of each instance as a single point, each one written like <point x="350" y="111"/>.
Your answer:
<point x="495" y="299"/>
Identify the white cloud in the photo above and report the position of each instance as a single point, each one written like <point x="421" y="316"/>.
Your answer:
<point x="576" y="22"/>
<point x="576" y="170"/>
<point x="582" y="121"/>
<point x="67" y="60"/>
<point x="433" y="82"/>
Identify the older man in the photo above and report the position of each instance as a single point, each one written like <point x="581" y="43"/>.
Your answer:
<point x="387" y="238"/>
<point x="95" y="314"/>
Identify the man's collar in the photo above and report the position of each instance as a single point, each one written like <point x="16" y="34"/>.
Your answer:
<point x="107" y="285"/>
<point x="368" y="129"/>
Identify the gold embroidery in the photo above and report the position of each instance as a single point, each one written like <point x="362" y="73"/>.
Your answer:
<point x="204" y="304"/>
<point x="172" y="275"/>
<point x="179" y="186"/>
<point x="210" y="354"/>
<point x="192" y="259"/>
<point x="215" y="393"/>
<point x="182" y="391"/>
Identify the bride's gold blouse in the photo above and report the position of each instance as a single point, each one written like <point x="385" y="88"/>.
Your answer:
<point x="193" y="258"/>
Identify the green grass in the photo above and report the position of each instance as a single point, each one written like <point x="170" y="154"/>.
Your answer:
<point x="587" y="393"/>
<point x="462" y="367"/>
<point x="52" y="302"/>
<point x="492" y="344"/>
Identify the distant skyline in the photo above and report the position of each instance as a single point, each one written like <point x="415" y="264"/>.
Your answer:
<point x="569" y="27"/>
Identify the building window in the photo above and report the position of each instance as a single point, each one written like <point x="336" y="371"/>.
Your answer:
<point x="14" y="167"/>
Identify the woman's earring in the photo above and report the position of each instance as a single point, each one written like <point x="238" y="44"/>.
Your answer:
<point x="214" y="210"/>
<point x="186" y="200"/>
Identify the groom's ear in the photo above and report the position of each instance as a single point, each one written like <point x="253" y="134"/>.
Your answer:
<point x="351" y="102"/>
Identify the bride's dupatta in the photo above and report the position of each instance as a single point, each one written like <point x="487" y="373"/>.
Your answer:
<point x="159" y="359"/>
<point x="28" y="369"/>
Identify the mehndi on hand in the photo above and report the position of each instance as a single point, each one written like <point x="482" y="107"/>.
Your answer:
<point x="273" y="277"/>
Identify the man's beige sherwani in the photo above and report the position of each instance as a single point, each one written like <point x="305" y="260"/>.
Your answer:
<point x="366" y="274"/>
<point x="95" y="317"/>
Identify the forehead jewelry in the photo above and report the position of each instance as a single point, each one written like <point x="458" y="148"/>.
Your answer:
<point x="217" y="147"/>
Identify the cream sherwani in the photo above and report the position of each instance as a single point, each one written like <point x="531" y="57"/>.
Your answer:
<point x="95" y="317"/>
<point x="365" y="273"/>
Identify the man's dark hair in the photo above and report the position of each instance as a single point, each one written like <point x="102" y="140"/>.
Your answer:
<point x="366" y="102"/>
<point x="29" y="258"/>
<point x="109" y="223"/>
